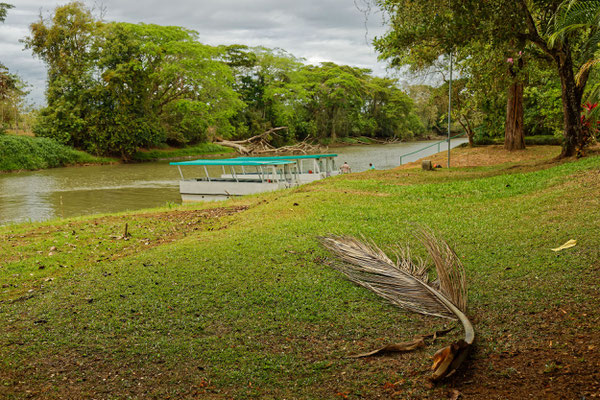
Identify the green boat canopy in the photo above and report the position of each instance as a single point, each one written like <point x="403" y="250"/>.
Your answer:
<point x="298" y="157"/>
<point x="234" y="162"/>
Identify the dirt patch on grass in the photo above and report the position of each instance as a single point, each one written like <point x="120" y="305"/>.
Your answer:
<point x="560" y="360"/>
<point x="49" y="251"/>
<point x="176" y="218"/>
<point x="95" y="376"/>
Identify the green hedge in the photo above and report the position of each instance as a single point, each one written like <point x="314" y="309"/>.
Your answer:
<point x="24" y="152"/>
<point x="548" y="140"/>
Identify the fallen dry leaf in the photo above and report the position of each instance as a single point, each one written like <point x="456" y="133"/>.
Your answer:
<point x="566" y="245"/>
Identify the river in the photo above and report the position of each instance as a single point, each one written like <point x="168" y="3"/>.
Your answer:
<point x="66" y="192"/>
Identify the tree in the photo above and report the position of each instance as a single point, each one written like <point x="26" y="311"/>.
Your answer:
<point x="64" y="44"/>
<point x="4" y="7"/>
<point x="12" y="88"/>
<point x="391" y="110"/>
<point x="267" y="81"/>
<point x="12" y="97"/>
<point x="115" y="87"/>
<point x="514" y="138"/>
<point x="422" y="32"/>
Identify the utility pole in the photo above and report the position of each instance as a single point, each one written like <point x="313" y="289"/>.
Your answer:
<point x="449" y="107"/>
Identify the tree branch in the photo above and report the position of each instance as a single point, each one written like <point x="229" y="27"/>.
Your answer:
<point x="533" y="35"/>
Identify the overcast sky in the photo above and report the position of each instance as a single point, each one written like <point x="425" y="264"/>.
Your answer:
<point x="317" y="30"/>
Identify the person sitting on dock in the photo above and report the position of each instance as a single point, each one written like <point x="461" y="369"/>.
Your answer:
<point x="345" y="168"/>
<point x="371" y="166"/>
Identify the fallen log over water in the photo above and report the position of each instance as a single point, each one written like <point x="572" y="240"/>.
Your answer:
<point x="259" y="144"/>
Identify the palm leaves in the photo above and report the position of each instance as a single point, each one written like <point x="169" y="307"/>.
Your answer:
<point x="579" y="16"/>
<point x="406" y="284"/>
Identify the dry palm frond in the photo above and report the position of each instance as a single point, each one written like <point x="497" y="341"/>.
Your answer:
<point x="405" y="283"/>
<point x="450" y="271"/>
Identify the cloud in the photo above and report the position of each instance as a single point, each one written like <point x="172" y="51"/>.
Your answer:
<point x="316" y="30"/>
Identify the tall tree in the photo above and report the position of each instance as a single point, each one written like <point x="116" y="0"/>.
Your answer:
<point x="114" y="87"/>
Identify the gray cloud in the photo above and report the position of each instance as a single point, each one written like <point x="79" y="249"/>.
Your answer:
<point x="316" y="30"/>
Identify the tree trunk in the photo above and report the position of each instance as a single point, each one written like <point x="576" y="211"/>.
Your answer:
<point x="470" y="137"/>
<point x="467" y="127"/>
<point x="571" y="99"/>
<point x="514" y="137"/>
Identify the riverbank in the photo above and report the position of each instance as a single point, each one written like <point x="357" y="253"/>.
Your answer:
<point x="27" y="152"/>
<point x="233" y="300"/>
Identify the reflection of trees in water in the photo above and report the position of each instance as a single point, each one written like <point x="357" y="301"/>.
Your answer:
<point x="26" y="198"/>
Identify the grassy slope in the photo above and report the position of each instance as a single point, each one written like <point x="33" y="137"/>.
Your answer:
<point x="236" y="303"/>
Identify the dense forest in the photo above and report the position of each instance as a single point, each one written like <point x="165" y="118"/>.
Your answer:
<point x="115" y="87"/>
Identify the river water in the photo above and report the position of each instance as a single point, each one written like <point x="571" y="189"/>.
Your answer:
<point x="73" y="191"/>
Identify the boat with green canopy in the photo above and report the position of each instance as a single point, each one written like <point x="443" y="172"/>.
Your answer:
<point x="311" y="167"/>
<point x="223" y="179"/>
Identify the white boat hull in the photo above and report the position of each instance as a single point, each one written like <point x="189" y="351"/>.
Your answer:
<point x="302" y="178"/>
<point x="215" y="190"/>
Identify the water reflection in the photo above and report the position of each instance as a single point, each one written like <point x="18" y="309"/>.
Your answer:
<point x="66" y="192"/>
<point x="26" y="198"/>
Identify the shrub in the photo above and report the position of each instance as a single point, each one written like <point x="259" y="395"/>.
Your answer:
<point x="24" y="152"/>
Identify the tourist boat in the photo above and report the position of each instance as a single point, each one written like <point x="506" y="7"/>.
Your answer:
<point x="228" y="178"/>
<point x="311" y="167"/>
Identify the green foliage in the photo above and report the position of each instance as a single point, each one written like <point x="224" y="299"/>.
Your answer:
<point x="562" y="36"/>
<point x="543" y="109"/>
<point x="24" y="152"/>
<point x="324" y="101"/>
<point x="12" y="98"/>
<point x="188" y="151"/>
<point x="3" y="9"/>
<point x="115" y="87"/>
<point x="12" y="88"/>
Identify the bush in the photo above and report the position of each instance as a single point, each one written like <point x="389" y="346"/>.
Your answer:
<point x="24" y="152"/>
<point x="543" y="140"/>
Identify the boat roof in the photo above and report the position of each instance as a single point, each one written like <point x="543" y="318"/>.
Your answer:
<point x="292" y="157"/>
<point x="235" y="161"/>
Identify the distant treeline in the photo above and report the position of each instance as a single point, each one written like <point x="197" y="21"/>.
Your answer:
<point x="114" y="87"/>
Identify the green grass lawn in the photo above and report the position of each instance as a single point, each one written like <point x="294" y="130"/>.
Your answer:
<point x="233" y="300"/>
